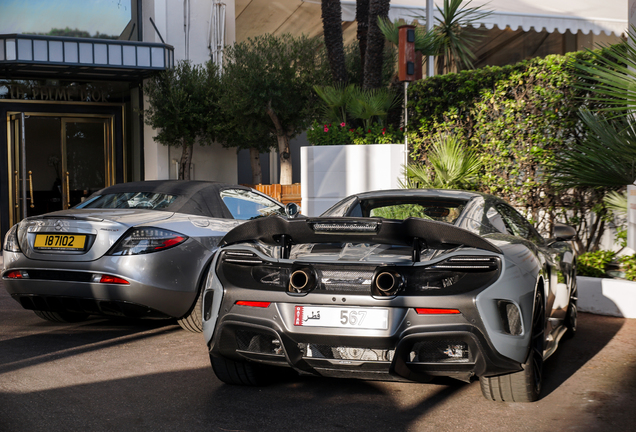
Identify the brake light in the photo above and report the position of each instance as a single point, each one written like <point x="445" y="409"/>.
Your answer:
<point x="147" y="240"/>
<point x="436" y="311"/>
<point x="113" y="280"/>
<point x="16" y="274"/>
<point x="253" y="303"/>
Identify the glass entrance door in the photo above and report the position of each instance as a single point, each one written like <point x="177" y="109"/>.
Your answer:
<point x="57" y="161"/>
<point x="86" y="158"/>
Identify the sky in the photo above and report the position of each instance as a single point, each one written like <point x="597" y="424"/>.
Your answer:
<point x="40" y="16"/>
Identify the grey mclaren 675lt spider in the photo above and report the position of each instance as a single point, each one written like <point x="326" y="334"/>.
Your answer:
<point x="400" y="285"/>
<point x="139" y="249"/>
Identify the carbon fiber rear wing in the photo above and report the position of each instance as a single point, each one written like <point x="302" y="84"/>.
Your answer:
<point x="277" y="231"/>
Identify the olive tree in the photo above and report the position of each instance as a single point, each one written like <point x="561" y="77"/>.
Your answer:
<point x="267" y="81"/>
<point x="182" y="101"/>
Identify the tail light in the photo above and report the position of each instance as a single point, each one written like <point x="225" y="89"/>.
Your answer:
<point x="16" y="274"/>
<point x="11" y="240"/>
<point x="147" y="240"/>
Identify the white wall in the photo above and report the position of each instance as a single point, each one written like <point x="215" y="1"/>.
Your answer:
<point x="211" y="162"/>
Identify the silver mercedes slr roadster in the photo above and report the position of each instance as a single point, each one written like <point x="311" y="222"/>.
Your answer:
<point x="138" y="250"/>
<point x="400" y="285"/>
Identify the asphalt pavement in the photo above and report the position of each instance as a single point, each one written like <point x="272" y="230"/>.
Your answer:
<point x="123" y="375"/>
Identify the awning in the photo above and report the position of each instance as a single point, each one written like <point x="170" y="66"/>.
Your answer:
<point x="257" y="17"/>
<point x="596" y="16"/>
<point x="31" y="56"/>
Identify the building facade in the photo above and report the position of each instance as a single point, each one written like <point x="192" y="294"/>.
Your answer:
<point x="71" y="96"/>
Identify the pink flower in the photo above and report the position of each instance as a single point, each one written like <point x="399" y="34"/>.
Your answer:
<point x="342" y="124"/>
<point x="326" y="129"/>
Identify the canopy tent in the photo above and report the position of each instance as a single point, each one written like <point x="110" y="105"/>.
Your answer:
<point x="609" y="16"/>
<point x="256" y="17"/>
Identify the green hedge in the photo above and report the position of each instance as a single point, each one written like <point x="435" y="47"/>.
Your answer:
<point x="515" y="117"/>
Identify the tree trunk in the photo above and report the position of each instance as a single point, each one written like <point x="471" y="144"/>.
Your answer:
<point x="255" y="162"/>
<point x="362" y="16"/>
<point x="372" y="72"/>
<point x="186" y="161"/>
<point x="284" y="155"/>
<point x="285" y="160"/>
<point x="332" y="28"/>
<point x="440" y="64"/>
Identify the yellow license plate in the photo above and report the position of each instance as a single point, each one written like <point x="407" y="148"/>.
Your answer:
<point x="60" y="241"/>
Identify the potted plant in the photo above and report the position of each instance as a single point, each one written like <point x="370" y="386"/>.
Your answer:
<point x="354" y="148"/>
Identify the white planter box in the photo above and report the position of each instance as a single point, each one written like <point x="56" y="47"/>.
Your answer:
<point x="330" y="173"/>
<point x="604" y="296"/>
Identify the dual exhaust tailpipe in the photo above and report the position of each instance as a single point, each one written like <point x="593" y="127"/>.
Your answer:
<point x="302" y="280"/>
<point x="387" y="283"/>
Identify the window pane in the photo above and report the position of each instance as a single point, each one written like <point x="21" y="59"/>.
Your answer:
<point x="245" y="205"/>
<point x="71" y="18"/>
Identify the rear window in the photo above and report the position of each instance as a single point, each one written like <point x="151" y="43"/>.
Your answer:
<point x="443" y="210"/>
<point x="133" y="200"/>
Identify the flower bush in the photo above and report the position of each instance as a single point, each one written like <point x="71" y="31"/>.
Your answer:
<point x="596" y="264"/>
<point x="593" y="264"/>
<point x="338" y="134"/>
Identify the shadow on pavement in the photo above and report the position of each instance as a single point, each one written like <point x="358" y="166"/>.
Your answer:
<point x="55" y="341"/>
<point x="573" y="353"/>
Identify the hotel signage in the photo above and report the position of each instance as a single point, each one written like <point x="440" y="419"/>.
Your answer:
<point x="76" y="93"/>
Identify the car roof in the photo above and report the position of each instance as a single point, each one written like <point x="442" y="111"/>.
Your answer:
<point x="195" y="197"/>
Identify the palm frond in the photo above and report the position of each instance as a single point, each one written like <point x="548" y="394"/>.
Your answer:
<point x="451" y="166"/>
<point x="606" y="158"/>
<point x="616" y="202"/>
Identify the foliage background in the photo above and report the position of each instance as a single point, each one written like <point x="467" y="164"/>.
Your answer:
<point x="516" y="117"/>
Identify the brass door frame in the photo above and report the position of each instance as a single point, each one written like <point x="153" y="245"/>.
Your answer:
<point x="109" y="151"/>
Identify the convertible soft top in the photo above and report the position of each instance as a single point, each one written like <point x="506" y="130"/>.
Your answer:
<point x="199" y="198"/>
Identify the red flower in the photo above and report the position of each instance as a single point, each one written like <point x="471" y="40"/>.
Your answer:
<point x="352" y="130"/>
<point x="369" y="131"/>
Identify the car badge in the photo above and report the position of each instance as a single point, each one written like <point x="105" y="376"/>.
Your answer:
<point x="58" y="225"/>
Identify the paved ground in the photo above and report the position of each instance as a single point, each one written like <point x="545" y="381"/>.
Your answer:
<point x="104" y="375"/>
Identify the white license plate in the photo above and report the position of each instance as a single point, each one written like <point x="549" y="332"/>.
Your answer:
<point x="329" y="316"/>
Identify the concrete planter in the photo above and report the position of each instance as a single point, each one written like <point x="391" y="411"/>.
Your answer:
<point x="604" y="296"/>
<point x="330" y="173"/>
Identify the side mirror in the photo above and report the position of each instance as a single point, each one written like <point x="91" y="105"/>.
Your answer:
<point x="563" y="232"/>
<point x="292" y="210"/>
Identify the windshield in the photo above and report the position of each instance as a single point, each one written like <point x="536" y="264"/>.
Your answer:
<point x="134" y="200"/>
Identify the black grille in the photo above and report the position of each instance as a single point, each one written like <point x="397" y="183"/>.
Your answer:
<point x="440" y="351"/>
<point x="60" y="275"/>
<point x="346" y="353"/>
<point x="258" y="342"/>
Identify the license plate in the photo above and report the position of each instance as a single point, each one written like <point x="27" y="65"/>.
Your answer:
<point x="329" y="316"/>
<point x="60" y="241"/>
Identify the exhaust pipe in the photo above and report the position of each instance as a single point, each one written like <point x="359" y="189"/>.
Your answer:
<point x="388" y="283"/>
<point x="301" y="281"/>
<point x="385" y="282"/>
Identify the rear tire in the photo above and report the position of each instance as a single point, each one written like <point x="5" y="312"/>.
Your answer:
<point x="241" y="372"/>
<point x="525" y="385"/>
<point x="61" y="317"/>
<point x="193" y="321"/>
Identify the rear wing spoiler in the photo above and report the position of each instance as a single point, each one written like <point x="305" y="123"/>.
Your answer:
<point x="415" y="232"/>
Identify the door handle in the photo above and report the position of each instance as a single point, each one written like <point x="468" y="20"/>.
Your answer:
<point x="31" y="188"/>
<point x="68" y="191"/>
<point x="17" y="193"/>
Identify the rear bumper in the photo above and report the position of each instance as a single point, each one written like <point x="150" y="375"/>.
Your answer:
<point x="412" y="349"/>
<point x="162" y="284"/>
